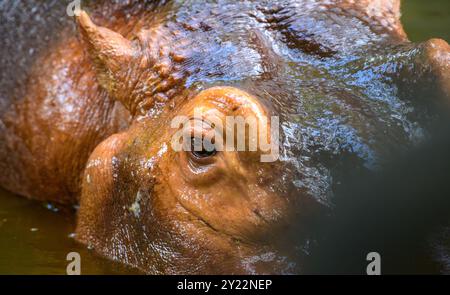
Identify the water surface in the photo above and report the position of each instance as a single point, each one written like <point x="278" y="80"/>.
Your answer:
<point x="35" y="238"/>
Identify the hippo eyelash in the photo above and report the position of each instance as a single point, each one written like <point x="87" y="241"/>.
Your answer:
<point x="204" y="153"/>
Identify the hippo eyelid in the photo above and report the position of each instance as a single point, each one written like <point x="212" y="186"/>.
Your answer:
<point x="202" y="155"/>
<point x="201" y="163"/>
<point x="204" y="121"/>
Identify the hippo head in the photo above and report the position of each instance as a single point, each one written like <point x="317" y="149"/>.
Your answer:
<point x="154" y="198"/>
<point x="218" y="210"/>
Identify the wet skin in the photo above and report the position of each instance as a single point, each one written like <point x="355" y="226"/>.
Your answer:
<point x="93" y="126"/>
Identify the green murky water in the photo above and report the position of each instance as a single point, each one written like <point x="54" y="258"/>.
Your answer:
<point x="35" y="239"/>
<point x="424" y="19"/>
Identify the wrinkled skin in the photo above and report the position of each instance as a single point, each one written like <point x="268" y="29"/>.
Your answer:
<point x="93" y="123"/>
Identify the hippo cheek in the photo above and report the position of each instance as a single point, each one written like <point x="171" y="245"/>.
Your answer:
<point x="227" y="205"/>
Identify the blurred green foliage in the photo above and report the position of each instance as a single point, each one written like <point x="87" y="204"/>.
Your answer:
<point x="425" y="19"/>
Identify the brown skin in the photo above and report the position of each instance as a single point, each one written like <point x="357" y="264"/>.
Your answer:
<point x="93" y="127"/>
<point x="181" y="198"/>
<point x="52" y="131"/>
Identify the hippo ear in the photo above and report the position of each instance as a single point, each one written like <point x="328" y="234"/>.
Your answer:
<point x="109" y="50"/>
<point x="383" y="15"/>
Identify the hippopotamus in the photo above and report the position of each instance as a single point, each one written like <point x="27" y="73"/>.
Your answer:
<point x="88" y="102"/>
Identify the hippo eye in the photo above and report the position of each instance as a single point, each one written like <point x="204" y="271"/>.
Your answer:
<point x="201" y="149"/>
